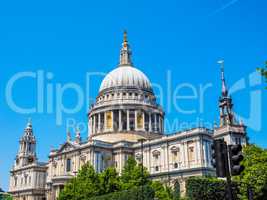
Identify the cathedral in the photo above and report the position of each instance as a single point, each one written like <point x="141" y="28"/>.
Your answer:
<point x="124" y="121"/>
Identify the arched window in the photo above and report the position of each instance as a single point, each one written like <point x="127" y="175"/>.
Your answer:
<point x="176" y="188"/>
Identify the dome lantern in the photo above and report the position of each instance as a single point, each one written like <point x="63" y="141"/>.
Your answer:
<point x="125" y="53"/>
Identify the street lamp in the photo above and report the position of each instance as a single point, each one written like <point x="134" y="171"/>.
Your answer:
<point x="142" y="167"/>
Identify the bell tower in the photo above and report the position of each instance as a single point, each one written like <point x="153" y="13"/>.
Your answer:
<point x="229" y="129"/>
<point x="27" y="148"/>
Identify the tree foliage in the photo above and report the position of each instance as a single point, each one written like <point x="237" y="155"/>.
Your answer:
<point x="132" y="175"/>
<point x="109" y="181"/>
<point x="263" y="71"/>
<point x="86" y="184"/>
<point x="5" y="197"/>
<point x="255" y="173"/>
<point x="162" y="192"/>
<point x="133" y="184"/>
<point x="208" y="188"/>
<point x="137" y="193"/>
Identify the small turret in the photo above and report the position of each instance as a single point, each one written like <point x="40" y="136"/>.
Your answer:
<point x="27" y="149"/>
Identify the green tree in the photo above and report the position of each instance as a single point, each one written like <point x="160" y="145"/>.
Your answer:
<point x="85" y="185"/>
<point x="208" y="188"/>
<point x="255" y="173"/>
<point x="134" y="183"/>
<point x="162" y="192"/>
<point x="263" y="71"/>
<point x="132" y="175"/>
<point x="109" y="181"/>
<point x="5" y="197"/>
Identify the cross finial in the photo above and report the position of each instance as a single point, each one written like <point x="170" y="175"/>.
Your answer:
<point x="125" y="37"/>
<point x="29" y="123"/>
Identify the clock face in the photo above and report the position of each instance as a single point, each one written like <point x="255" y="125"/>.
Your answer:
<point x="30" y="159"/>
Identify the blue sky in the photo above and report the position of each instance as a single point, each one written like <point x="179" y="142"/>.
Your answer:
<point x="183" y="38"/>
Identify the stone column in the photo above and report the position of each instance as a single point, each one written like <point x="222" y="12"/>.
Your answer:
<point x="90" y="127"/>
<point x="155" y="122"/>
<point x="143" y="114"/>
<point x="183" y="156"/>
<point x="105" y="122"/>
<point x="93" y="125"/>
<point x="149" y="123"/>
<point x="128" y="121"/>
<point x="112" y="120"/>
<point x="120" y="123"/>
<point x="135" y="120"/>
<point x="160" y="124"/>
<point x="186" y="155"/>
<point x="149" y="159"/>
<point x="167" y="158"/>
<point x="199" y="152"/>
<point x="99" y="122"/>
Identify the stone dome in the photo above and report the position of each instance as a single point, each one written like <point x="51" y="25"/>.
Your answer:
<point x="126" y="107"/>
<point x="126" y="77"/>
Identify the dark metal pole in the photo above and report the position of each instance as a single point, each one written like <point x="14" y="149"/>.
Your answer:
<point x="168" y="165"/>
<point x="142" y="168"/>
<point x="228" y="175"/>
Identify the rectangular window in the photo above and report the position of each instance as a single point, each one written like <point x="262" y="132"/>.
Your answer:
<point x="68" y="167"/>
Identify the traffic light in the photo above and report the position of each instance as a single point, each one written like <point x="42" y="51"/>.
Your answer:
<point x="219" y="157"/>
<point x="235" y="157"/>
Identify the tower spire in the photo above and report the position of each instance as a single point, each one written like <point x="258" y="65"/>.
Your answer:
<point x="224" y="88"/>
<point x="125" y="53"/>
<point x="225" y="103"/>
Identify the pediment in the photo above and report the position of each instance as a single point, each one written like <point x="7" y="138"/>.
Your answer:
<point x="66" y="147"/>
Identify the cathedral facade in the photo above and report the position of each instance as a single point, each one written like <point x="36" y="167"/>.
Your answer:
<point x="124" y="121"/>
